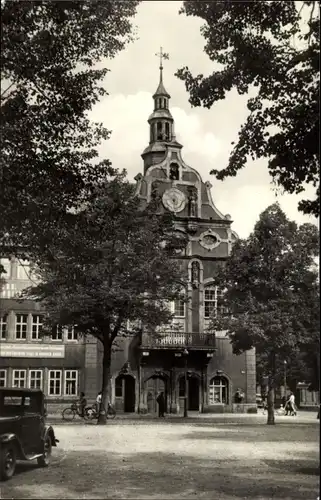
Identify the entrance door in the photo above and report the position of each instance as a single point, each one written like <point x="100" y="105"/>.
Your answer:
<point x="129" y="394"/>
<point x="153" y="387"/>
<point x="193" y="394"/>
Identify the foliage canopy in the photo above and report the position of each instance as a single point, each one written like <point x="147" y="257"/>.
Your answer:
<point x="273" y="50"/>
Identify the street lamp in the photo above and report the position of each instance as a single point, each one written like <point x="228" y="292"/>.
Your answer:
<point x="185" y="354"/>
<point x="284" y="381"/>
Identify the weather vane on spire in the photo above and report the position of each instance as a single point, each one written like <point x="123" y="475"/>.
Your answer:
<point x="162" y="55"/>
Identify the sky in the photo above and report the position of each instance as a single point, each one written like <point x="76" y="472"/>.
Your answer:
<point x="206" y="135"/>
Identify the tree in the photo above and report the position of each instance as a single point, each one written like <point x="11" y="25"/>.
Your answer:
<point x="50" y="81"/>
<point x="272" y="293"/>
<point x="271" y="49"/>
<point x="116" y="265"/>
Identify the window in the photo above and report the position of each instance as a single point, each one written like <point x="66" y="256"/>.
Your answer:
<point x="57" y="333"/>
<point x="71" y="382"/>
<point x="212" y="297"/>
<point x="159" y="131"/>
<point x="19" y="378"/>
<point x="174" y="172"/>
<point x="6" y="264"/>
<point x="179" y="308"/>
<point x="218" y="391"/>
<point x="3" y="327"/>
<point x="23" y="270"/>
<point x="35" y="379"/>
<point x="36" y="327"/>
<point x="167" y="131"/>
<point x="54" y="383"/>
<point x="3" y="378"/>
<point x="119" y="387"/>
<point x="71" y="334"/>
<point x="21" y="326"/>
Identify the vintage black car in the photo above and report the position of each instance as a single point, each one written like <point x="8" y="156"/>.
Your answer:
<point x="23" y="432"/>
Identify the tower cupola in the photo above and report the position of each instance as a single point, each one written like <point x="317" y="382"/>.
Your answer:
<point x="161" y="123"/>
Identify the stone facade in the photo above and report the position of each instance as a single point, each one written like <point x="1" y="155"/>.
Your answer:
<point x="54" y="363"/>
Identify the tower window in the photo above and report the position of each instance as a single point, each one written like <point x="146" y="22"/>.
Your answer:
<point x="167" y="136"/>
<point x="174" y="172"/>
<point x="159" y="131"/>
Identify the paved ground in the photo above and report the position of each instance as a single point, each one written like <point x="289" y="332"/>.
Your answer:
<point x="193" y="416"/>
<point x="171" y="459"/>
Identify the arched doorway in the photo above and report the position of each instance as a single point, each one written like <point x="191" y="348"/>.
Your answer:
<point x="153" y="386"/>
<point x="125" y="393"/>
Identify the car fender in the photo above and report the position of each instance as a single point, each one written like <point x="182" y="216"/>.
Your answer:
<point x="7" y="437"/>
<point x="49" y="431"/>
<point x="12" y="438"/>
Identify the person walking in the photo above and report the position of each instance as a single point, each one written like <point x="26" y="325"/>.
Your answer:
<point x="98" y="401"/>
<point x="292" y="404"/>
<point x="161" y="404"/>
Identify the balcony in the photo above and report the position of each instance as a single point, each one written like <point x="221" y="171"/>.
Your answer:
<point x="175" y="339"/>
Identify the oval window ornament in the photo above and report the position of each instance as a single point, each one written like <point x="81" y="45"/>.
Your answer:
<point x="209" y="240"/>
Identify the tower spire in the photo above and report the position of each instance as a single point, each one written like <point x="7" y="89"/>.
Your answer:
<point x="161" y="123"/>
<point x="162" y="55"/>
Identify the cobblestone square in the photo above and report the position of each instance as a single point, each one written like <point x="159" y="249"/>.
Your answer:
<point x="207" y="459"/>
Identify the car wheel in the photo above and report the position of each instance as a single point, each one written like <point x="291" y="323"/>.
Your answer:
<point x="44" y="460"/>
<point x="8" y="460"/>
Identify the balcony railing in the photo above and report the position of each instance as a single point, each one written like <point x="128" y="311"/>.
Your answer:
<point x="172" y="340"/>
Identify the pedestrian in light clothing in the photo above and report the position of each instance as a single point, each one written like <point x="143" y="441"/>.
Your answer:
<point x="161" y="404"/>
<point x="292" y="404"/>
<point x="98" y="401"/>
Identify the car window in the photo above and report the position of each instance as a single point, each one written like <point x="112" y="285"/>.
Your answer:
<point x="31" y="405"/>
<point x="11" y="405"/>
<point x="12" y="401"/>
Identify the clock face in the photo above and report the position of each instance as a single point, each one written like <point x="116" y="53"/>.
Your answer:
<point x="174" y="200"/>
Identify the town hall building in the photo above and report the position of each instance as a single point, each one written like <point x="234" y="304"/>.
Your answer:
<point x="194" y="366"/>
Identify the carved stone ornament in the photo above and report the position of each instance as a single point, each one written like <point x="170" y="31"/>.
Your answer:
<point x="174" y="200"/>
<point x="209" y="240"/>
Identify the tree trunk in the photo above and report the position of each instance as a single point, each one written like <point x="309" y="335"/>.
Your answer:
<point x="270" y="406"/>
<point x="271" y="395"/>
<point x="102" y="418"/>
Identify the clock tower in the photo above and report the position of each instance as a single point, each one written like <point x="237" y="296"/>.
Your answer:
<point x="187" y="351"/>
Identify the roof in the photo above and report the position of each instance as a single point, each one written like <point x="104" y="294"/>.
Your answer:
<point x="20" y="390"/>
<point x="161" y="89"/>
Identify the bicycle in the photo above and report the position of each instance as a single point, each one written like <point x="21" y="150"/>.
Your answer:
<point x="93" y="413"/>
<point x="69" y="413"/>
